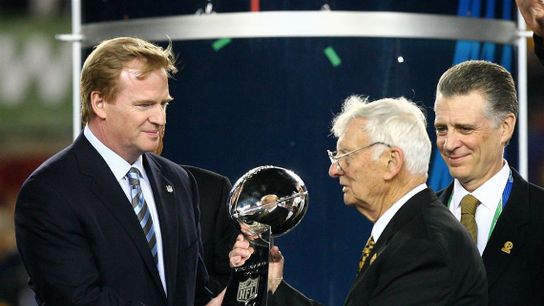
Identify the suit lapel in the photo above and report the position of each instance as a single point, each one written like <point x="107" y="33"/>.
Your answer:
<point x="445" y="194"/>
<point x="106" y="188"/>
<point x="512" y="227"/>
<point x="403" y="216"/>
<point x="165" y="200"/>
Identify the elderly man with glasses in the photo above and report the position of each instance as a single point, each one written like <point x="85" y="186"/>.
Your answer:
<point x="417" y="253"/>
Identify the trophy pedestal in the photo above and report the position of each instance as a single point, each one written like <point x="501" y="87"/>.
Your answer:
<point x="249" y="283"/>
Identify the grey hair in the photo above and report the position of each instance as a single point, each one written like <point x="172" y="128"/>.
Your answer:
<point x="395" y="121"/>
<point x="494" y="82"/>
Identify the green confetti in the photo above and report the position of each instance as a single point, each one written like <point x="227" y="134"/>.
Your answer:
<point x="220" y="43"/>
<point x="332" y="56"/>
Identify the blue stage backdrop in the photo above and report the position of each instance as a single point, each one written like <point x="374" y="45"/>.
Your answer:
<point x="243" y="103"/>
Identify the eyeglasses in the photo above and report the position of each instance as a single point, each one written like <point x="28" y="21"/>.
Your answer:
<point x="335" y="157"/>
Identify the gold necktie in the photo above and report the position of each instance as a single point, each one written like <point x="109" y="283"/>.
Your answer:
<point x="468" y="209"/>
<point x="366" y="252"/>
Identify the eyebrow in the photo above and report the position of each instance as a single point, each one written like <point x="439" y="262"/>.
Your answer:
<point x="456" y="125"/>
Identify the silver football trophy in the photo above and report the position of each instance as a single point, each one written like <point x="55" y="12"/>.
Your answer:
<point x="267" y="202"/>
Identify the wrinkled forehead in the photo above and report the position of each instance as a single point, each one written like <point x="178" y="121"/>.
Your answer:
<point x="353" y="134"/>
<point x="472" y="105"/>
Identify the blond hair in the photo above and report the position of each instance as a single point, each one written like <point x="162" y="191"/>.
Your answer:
<point x="103" y="66"/>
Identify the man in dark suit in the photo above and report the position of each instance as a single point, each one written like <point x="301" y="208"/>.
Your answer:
<point x="412" y="256"/>
<point x="218" y="231"/>
<point x="476" y="108"/>
<point x="105" y="222"/>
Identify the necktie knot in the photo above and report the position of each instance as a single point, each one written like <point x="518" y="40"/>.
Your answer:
<point x="133" y="176"/>
<point x="469" y="204"/>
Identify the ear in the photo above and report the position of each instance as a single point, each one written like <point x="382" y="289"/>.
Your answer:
<point x="395" y="161"/>
<point x="507" y="126"/>
<point x="98" y="104"/>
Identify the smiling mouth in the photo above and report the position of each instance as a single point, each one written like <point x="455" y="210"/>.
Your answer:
<point x="456" y="159"/>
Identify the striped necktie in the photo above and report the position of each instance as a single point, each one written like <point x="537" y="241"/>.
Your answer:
<point x="142" y="211"/>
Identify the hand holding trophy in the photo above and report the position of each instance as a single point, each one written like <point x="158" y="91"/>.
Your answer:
<point x="267" y="202"/>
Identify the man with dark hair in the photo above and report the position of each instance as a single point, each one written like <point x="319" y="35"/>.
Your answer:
<point x="476" y="108"/>
<point x="218" y="230"/>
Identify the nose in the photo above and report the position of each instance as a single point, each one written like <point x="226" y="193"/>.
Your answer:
<point x="450" y="142"/>
<point x="334" y="170"/>
<point x="158" y="115"/>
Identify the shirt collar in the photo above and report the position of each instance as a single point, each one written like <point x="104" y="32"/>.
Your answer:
<point x="487" y="193"/>
<point x="381" y="223"/>
<point x="118" y="166"/>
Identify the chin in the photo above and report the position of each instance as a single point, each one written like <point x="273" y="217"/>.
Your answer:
<point x="150" y="147"/>
<point x="348" y="201"/>
<point x="458" y="173"/>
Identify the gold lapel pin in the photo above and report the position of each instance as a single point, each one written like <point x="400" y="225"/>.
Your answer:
<point x="169" y="188"/>
<point x="507" y="247"/>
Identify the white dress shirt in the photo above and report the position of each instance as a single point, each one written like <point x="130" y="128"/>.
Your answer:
<point x="381" y="223"/>
<point x="120" y="167"/>
<point x="490" y="197"/>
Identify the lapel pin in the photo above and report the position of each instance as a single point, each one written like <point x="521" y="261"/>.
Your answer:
<point x="507" y="247"/>
<point x="169" y="188"/>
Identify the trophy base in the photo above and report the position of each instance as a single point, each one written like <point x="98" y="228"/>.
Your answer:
<point x="249" y="283"/>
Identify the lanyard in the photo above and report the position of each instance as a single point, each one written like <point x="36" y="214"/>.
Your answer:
<point x="502" y="202"/>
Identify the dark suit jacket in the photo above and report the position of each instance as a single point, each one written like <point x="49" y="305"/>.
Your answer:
<point x="418" y="261"/>
<point x="82" y="244"/>
<point x="218" y="230"/>
<point x="516" y="278"/>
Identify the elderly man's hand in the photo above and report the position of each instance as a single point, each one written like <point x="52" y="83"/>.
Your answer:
<point x="533" y="13"/>
<point x="275" y="269"/>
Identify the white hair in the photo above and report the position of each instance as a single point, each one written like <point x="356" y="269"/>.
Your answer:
<point x="397" y="122"/>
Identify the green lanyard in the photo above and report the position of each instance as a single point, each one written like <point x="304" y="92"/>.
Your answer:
<point x="498" y="212"/>
<point x="500" y="205"/>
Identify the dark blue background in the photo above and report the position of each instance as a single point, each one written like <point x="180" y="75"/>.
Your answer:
<point x="270" y="101"/>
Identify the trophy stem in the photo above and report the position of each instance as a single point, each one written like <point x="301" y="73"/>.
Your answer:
<point x="248" y="285"/>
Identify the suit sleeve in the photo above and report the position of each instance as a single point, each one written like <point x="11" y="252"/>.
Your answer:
<point x="56" y="253"/>
<point x="225" y="233"/>
<point x="287" y="295"/>
<point x="202" y="295"/>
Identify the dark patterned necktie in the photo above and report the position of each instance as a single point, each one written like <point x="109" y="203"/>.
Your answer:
<point x="366" y="252"/>
<point x="468" y="211"/>
<point x="142" y="211"/>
